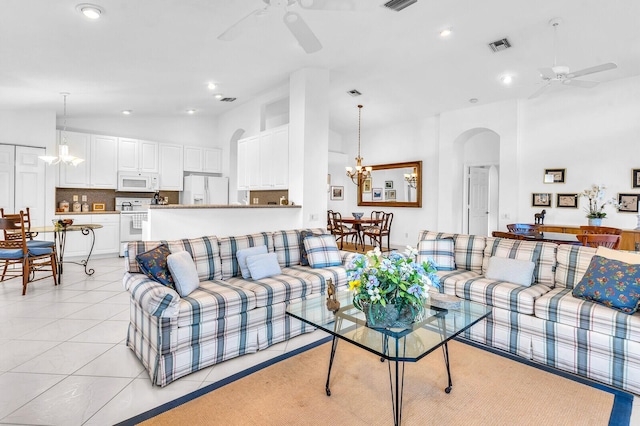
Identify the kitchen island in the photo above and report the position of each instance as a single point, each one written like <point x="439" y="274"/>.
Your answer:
<point x="176" y="221"/>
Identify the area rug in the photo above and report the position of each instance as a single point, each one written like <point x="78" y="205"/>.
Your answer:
<point x="488" y="389"/>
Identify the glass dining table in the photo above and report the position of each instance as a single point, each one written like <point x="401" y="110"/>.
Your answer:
<point x="60" y="240"/>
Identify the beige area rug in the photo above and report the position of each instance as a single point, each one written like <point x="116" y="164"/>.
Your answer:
<point x="488" y="389"/>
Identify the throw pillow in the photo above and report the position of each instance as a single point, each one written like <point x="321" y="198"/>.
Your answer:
<point x="263" y="265"/>
<point x="183" y="271"/>
<point x="622" y="256"/>
<point x="612" y="283"/>
<point x="154" y="264"/>
<point x="440" y="251"/>
<point x="511" y="270"/>
<point x="322" y="251"/>
<point x="242" y="256"/>
<point x="304" y="261"/>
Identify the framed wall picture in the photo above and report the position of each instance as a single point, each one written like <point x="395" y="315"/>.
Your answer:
<point x="366" y="185"/>
<point x="554" y="175"/>
<point x="635" y="178"/>
<point x="541" y="199"/>
<point x="376" y="194"/>
<point x="568" y="201"/>
<point x="390" y="194"/>
<point x="388" y="184"/>
<point x="628" y="203"/>
<point x="337" y="192"/>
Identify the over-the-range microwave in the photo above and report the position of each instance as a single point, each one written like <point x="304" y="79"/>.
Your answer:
<point x="138" y="182"/>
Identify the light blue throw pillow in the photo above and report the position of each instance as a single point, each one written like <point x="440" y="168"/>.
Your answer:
<point x="184" y="273"/>
<point x="242" y="256"/>
<point x="263" y="265"/>
<point x="510" y="270"/>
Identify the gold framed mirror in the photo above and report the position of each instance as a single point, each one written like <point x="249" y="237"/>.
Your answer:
<point x="392" y="185"/>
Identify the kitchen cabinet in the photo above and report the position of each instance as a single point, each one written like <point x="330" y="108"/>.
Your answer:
<point x="171" y="167"/>
<point x="204" y="160"/>
<point x="99" y="165"/>
<point x="79" y="146"/>
<point x="137" y="155"/>
<point x="107" y="238"/>
<point x="104" y="162"/>
<point x="263" y="160"/>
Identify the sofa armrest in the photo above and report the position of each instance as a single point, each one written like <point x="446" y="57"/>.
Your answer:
<point x="154" y="298"/>
<point x="347" y="256"/>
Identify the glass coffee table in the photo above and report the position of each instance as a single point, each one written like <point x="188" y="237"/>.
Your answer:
<point x="395" y="345"/>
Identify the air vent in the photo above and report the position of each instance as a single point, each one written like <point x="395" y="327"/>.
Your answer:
<point x="500" y="45"/>
<point x="227" y="99"/>
<point x="398" y="5"/>
<point x="354" y="93"/>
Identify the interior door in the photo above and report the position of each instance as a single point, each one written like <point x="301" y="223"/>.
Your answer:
<point x="30" y="183"/>
<point x="7" y="176"/>
<point x="478" y="213"/>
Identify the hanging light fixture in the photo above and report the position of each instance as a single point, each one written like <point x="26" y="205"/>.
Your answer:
<point x="360" y="173"/>
<point x="63" y="148"/>
<point x="412" y="178"/>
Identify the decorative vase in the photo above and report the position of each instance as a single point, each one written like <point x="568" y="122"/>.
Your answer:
<point x="597" y="221"/>
<point x="391" y="315"/>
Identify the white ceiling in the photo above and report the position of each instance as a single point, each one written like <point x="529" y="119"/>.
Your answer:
<point x="155" y="57"/>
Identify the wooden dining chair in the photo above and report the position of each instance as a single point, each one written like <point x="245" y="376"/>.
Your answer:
<point x="510" y="235"/>
<point x="19" y="259"/>
<point x="341" y="231"/>
<point x="523" y="228"/>
<point x="600" y="230"/>
<point x="329" y="222"/>
<point x="595" y="240"/>
<point x="26" y="217"/>
<point x="376" y="233"/>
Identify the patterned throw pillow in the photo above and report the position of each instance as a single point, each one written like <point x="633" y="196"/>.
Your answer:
<point x="440" y="251"/>
<point x="154" y="264"/>
<point x="304" y="261"/>
<point x="612" y="283"/>
<point x="322" y="251"/>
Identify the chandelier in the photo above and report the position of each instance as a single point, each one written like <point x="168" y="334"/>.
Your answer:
<point x="63" y="148"/>
<point x="360" y="173"/>
<point x="411" y="178"/>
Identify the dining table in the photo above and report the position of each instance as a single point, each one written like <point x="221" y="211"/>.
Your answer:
<point x="554" y="237"/>
<point x="358" y="225"/>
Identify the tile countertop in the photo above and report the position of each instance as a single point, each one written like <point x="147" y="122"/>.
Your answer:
<point x="222" y="206"/>
<point x="91" y="212"/>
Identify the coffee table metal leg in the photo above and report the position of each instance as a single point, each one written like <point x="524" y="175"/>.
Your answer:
<point x="334" y="346"/>
<point x="445" y="350"/>
<point x="396" y="383"/>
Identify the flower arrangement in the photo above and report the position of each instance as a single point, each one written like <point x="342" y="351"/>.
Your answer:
<point x="393" y="279"/>
<point x="597" y="202"/>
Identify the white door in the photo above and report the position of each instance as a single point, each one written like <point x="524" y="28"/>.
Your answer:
<point x="7" y="176"/>
<point x="30" y="183"/>
<point x="478" y="201"/>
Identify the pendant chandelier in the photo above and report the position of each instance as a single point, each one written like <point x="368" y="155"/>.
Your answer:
<point x="412" y="178"/>
<point x="360" y="173"/>
<point x="63" y="148"/>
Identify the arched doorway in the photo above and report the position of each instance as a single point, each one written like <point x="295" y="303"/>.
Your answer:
<point x="240" y="196"/>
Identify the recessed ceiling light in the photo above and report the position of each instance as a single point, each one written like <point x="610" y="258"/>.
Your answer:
<point x="506" y="79"/>
<point x="191" y="111"/>
<point x="445" y="33"/>
<point x="218" y="96"/>
<point x="91" y="11"/>
<point x="127" y="111"/>
<point x="211" y="86"/>
<point x="473" y="100"/>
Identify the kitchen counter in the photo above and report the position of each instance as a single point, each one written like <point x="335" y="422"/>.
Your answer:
<point x="91" y="212"/>
<point x="222" y="206"/>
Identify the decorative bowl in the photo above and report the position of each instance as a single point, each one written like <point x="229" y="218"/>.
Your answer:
<point x="358" y="215"/>
<point x="62" y="222"/>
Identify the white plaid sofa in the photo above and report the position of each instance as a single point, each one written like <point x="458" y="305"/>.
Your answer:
<point x="544" y="322"/>
<point x="227" y="316"/>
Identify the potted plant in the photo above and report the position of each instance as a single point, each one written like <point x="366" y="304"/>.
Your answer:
<point x="391" y="290"/>
<point x="596" y="197"/>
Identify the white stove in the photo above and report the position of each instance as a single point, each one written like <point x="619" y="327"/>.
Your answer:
<point x="133" y="211"/>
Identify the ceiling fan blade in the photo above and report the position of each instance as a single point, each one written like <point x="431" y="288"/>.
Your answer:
<point x="301" y="31"/>
<point x="592" y="70"/>
<point x="580" y="83"/>
<point x="540" y="91"/>
<point x="236" y="29"/>
<point x="328" y="4"/>
<point x="547" y="73"/>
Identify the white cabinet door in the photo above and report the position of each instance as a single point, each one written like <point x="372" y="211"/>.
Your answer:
<point x="170" y="166"/>
<point x="127" y="155"/>
<point x="30" y="183"/>
<point x="265" y="147"/>
<point x="280" y="158"/>
<point x="7" y="177"/>
<point x="79" y="146"/>
<point x="212" y="160"/>
<point x="107" y="237"/>
<point x="253" y="162"/>
<point x="243" y="163"/>
<point x="192" y="159"/>
<point x="148" y="156"/>
<point x="104" y="162"/>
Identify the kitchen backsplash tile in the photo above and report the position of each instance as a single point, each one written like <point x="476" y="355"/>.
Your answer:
<point x="107" y="196"/>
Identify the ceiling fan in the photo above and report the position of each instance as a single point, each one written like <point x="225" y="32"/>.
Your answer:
<point x="561" y="74"/>
<point x="294" y="22"/>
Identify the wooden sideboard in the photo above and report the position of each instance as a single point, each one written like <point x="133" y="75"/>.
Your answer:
<point x="630" y="237"/>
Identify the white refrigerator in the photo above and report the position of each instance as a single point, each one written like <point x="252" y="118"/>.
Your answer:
<point x="205" y="190"/>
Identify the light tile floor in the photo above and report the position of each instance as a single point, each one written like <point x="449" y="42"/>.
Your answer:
<point x="63" y="360"/>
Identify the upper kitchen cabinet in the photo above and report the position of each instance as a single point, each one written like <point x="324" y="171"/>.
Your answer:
<point x="137" y="155"/>
<point x="104" y="162"/>
<point x="76" y="176"/>
<point x="170" y="165"/>
<point x="204" y="160"/>
<point x="263" y="160"/>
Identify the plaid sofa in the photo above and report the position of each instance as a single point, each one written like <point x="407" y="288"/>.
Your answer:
<point x="227" y="316"/>
<point x="544" y="322"/>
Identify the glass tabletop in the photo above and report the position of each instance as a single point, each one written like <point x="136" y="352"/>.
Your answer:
<point x="437" y="327"/>
<point x="74" y="227"/>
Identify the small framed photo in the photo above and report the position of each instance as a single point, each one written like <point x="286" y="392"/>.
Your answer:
<point x="567" y="201"/>
<point x="337" y="192"/>
<point x="635" y="178"/>
<point x="98" y="207"/>
<point x="554" y="175"/>
<point x="390" y="194"/>
<point x="628" y="203"/>
<point x="539" y="199"/>
<point x="388" y="184"/>
<point x="366" y="185"/>
<point x="376" y="194"/>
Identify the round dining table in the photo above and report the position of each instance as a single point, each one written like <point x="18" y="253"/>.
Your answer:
<point x="357" y="225"/>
